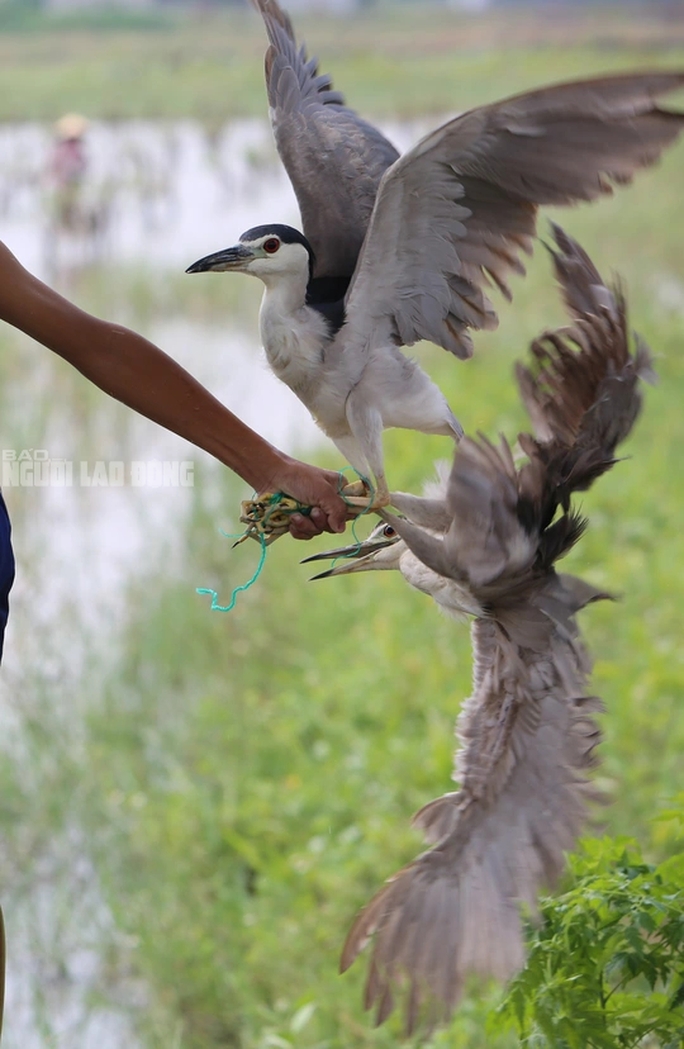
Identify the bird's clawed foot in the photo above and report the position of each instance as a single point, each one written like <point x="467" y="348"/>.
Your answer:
<point x="364" y="498"/>
<point x="268" y="517"/>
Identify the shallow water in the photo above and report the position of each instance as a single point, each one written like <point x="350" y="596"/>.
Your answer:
<point x="163" y="191"/>
<point x="166" y="193"/>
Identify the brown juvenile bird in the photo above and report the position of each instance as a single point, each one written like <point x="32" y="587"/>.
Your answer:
<point x="399" y="249"/>
<point x="527" y="732"/>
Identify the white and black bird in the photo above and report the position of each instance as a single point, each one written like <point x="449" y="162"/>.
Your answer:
<point x="353" y="394"/>
<point x="488" y="546"/>
<point x="399" y="249"/>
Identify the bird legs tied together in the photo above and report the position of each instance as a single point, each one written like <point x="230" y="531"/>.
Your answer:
<point x="268" y="516"/>
<point x="361" y="495"/>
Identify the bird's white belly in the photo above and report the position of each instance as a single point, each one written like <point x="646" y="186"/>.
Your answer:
<point x="295" y="351"/>
<point x="328" y="406"/>
<point x="294" y="356"/>
<point x="387" y="381"/>
<point x="388" y="389"/>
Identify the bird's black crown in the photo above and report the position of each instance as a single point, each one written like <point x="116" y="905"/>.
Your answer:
<point x="287" y="234"/>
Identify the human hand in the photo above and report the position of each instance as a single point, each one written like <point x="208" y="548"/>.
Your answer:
<point x="316" y="488"/>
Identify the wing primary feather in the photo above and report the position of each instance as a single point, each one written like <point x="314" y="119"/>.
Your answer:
<point x="334" y="159"/>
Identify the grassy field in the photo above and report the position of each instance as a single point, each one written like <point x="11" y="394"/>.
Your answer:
<point x="245" y="782"/>
<point x="409" y="61"/>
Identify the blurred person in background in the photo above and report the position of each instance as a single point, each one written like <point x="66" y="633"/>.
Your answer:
<point x="67" y="167"/>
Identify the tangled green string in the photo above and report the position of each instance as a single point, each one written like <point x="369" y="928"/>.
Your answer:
<point x="275" y="499"/>
<point x="215" y="606"/>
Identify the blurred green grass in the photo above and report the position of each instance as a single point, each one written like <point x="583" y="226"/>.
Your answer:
<point x="406" y="61"/>
<point x="247" y="780"/>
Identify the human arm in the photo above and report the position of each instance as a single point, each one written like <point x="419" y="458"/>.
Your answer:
<point x="136" y="372"/>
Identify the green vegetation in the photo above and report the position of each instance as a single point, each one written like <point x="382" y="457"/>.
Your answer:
<point x="257" y="771"/>
<point x="27" y="16"/>
<point x="406" y="62"/>
<point x="242" y="784"/>
<point x="606" y="968"/>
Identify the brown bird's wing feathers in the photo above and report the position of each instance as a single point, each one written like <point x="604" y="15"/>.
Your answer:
<point x="583" y="396"/>
<point x="527" y="733"/>
<point x="526" y="738"/>
<point x="335" y="159"/>
<point x="582" y="404"/>
<point x="455" y="911"/>
<point x="454" y="213"/>
<point x="567" y="403"/>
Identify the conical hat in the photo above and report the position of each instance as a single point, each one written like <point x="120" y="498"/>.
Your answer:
<point x="71" y="125"/>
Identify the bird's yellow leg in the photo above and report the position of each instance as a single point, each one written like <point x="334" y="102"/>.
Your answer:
<point x="367" y="498"/>
<point x="382" y="494"/>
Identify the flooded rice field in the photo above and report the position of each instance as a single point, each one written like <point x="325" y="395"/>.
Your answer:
<point x="150" y="192"/>
<point x="145" y="201"/>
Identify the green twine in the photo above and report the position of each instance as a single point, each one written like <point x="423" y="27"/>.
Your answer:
<point x="216" y="607"/>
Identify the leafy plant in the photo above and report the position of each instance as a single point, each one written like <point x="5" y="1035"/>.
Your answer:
<point x="606" y="966"/>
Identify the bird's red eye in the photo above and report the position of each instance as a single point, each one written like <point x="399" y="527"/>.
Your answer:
<point x="389" y="532"/>
<point x="271" y="245"/>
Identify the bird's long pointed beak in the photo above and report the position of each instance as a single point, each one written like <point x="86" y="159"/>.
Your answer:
<point x="357" y="557"/>
<point x="235" y="258"/>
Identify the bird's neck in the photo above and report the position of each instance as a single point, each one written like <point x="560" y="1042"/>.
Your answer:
<point x="285" y="293"/>
<point x="293" y="334"/>
<point x="454" y="600"/>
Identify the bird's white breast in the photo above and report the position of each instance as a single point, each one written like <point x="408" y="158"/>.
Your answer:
<point x="294" y="341"/>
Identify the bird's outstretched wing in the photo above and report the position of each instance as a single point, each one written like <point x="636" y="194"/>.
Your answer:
<point x="335" y="159"/>
<point x="583" y="395"/>
<point x="588" y="404"/>
<point x="454" y="213"/>
<point x="582" y="390"/>
<point x="527" y="733"/>
<point x="455" y="911"/>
